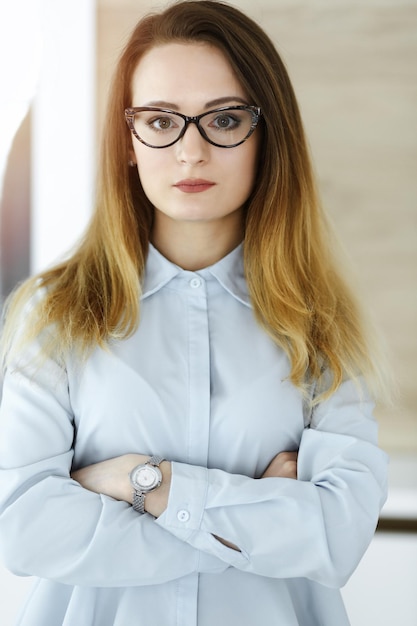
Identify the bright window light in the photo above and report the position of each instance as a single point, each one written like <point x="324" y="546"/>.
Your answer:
<point x="20" y="60"/>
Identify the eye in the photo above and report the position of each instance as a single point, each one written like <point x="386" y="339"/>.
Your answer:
<point x="161" y="124"/>
<point x="225" y="121"/>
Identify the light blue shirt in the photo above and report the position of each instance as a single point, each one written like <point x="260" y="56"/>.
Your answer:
<point x="201" y="384"/>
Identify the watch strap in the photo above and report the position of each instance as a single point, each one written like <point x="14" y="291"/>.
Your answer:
<point x="155" y="460"/>
<point x="138" y="502"/>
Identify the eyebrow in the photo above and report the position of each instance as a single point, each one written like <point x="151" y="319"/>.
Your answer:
<point x="213" y="103"/>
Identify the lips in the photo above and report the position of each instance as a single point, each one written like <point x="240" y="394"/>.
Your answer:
<point x="194" y="185"/>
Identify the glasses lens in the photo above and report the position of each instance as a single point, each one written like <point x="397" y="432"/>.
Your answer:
<point x="229" y="127"/>
<point x="157" y="128"/>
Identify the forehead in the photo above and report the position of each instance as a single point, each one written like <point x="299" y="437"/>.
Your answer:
<point x="192" y="73"/>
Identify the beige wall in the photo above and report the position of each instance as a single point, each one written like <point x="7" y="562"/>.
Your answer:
<point x="354" y="67"/>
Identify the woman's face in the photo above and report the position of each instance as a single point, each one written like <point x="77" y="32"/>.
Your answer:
<point x="192" y="180"/>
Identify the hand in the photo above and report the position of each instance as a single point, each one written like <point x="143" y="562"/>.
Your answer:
<point x="283" y="465"/>
<point x="111" y="478"/>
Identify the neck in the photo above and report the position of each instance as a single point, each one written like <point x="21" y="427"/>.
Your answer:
<point x="195" y="245"/>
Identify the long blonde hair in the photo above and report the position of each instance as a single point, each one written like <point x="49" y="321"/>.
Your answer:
<point x="297" y="293"/>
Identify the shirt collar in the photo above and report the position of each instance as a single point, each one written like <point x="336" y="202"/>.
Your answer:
<point x="158" y="272"/>
<point x="228" y="272"/>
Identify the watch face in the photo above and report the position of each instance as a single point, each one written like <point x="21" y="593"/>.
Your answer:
<point x="146" y="477"/>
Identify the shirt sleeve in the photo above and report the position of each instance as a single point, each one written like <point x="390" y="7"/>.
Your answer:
<point x="53" y="528"/>
<point x="317" y="526"/>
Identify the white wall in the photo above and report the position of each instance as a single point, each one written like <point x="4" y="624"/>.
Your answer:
<point x="20" y="55"/>
<point x="382" y="591"/>
<point x="64" y="130"/>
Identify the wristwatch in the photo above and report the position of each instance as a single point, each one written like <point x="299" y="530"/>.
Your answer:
<point x="145" y="478"/>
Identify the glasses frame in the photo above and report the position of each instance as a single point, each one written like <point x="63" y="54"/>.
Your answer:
<point x="255" y="111"/>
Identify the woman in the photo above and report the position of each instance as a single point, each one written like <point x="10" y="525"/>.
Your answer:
<point x="186" y="433"/>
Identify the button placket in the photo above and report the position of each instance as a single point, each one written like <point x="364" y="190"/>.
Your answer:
<point x="199" y="371"/>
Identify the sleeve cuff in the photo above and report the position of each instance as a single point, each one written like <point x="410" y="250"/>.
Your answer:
<point x="187" y="500"/>
<point x="183" y="517"/>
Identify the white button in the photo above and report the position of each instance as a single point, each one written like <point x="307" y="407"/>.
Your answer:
<point x="183" y="516"/>
<point x="195" y="283"/>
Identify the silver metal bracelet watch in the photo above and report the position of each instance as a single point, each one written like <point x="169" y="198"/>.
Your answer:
<point x="145" y="478"/>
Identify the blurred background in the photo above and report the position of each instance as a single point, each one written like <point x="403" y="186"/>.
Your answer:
<point x="353" y="64"/>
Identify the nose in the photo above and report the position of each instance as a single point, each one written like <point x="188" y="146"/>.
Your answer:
<point x="192" y="148"/>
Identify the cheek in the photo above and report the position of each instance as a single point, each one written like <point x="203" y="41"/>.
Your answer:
<point x="151" y="165"/>
<point x="146" y="157"/>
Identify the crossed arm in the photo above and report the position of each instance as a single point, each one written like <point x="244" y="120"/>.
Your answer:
<point x="111" y="478"/>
